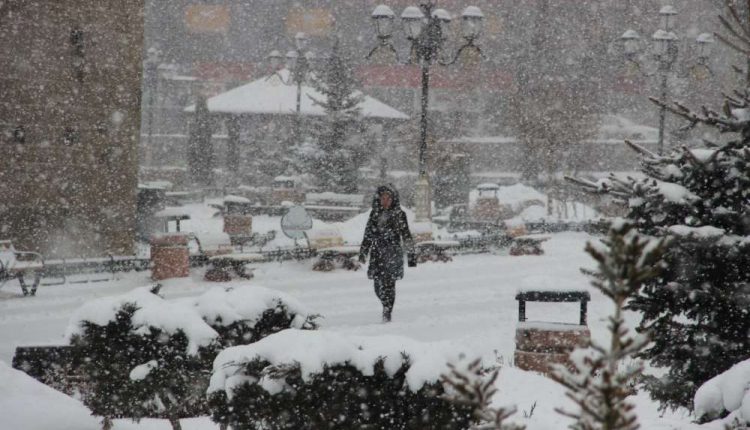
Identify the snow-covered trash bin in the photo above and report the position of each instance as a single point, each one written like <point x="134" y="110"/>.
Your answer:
<point x="726" y="395"/>
<point x="170" y="256"/>
<point x="542" y="344"/>
<point x="145" y="356"/>
<point x="315" y="379"/>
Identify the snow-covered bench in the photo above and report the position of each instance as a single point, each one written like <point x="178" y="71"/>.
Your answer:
<point x="530" y="244"/>
<point x="330" y="247"/>
<point x="435" y="250"/>
<point x="223" y="267"/>
<point x="20" y="265"/>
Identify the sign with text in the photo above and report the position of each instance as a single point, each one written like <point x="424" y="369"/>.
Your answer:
<point x="201" y="18"/>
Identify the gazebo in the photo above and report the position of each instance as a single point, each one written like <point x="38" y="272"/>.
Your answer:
<point x="260" y="115"/>
<point x="276" y="95"/>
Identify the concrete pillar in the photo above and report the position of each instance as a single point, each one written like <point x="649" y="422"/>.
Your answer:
<point x="422" y="201"/>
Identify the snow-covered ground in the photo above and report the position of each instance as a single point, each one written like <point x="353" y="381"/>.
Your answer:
<point x="469" y="301"/>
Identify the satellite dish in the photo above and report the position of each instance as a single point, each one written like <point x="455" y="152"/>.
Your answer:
<point x="296" y="222"/>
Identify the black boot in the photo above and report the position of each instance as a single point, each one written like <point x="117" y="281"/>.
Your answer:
<point x="386" y="314"/>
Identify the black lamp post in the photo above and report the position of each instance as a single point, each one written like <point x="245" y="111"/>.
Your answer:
<point x="666" y="53"/>
<point x="426" y="28"/>
<point x="298" y="62"/>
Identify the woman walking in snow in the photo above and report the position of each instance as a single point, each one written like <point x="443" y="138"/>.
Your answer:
<point x="386" y="231"/>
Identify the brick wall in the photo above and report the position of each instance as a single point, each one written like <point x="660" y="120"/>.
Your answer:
<point x="70" y="92"/>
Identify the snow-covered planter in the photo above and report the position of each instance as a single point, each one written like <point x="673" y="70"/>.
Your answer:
<point x="312" y="380"/>
<point x="150" y="357"/>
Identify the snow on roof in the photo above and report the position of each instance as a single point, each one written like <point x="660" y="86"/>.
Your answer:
<point x="172" y="212"/>
<point x="277" y="95"/>
<point x="488" y="186"/>
<point x="513" y="195"/>
<point x="235" y="199"/>
<point x="619" y="127"/>
<point x="613" y="129"/>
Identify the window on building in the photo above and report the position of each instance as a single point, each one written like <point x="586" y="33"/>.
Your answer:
<point x="78" y="52"/>
<point x="19" y="135"/>
<point x="71" y="136"/>
<point x="101" y="128"/>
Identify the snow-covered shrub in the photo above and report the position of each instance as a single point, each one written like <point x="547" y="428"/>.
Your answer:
<point x="151" y="357"/>
<point x="727" y="393"/>
<point x="247" y="314"/>
<point x="321" y="380"/>
<point x="142" y="356"/>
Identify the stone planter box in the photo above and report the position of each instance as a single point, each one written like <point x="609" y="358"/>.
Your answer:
<point x="170" y="257"/>
<point x="539" y="345"/>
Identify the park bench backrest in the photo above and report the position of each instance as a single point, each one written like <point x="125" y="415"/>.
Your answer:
<point x="7" y="254"/>
<point x="553" y="296"/>
<point x="320" y="238"/>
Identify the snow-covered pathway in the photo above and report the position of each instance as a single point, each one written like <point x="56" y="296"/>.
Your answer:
<point x="469" y="301"/>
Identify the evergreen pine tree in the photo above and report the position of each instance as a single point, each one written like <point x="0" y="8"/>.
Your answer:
<point x="598" y="383"/>
<point x="472" y="386"/>
<point x="200" y="148"/>
<point x="697" y="310"/>
<point x="340" y="152"/>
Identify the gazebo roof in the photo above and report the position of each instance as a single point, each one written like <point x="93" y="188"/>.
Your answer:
<point x="277" y="95"/>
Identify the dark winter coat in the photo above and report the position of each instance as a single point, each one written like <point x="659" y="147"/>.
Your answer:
<point x="386" y="231"/>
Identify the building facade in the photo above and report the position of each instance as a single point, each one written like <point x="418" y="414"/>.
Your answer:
<point x="224" y="43"/>
<point x="70" y="96"/>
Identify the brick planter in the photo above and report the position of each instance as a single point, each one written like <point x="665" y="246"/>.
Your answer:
<point x="238" y="225"/>
<point x="540" y="345"/>
<point x="170" y="257"/>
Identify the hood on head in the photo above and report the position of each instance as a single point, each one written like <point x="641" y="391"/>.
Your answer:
<point x="390" y="189"/>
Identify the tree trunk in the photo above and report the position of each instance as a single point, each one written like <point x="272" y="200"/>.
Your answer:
<point x="175" y="422"/>
<point x="106" y="423"/>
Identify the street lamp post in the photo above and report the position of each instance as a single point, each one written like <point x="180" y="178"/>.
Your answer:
<point x="151" y="69"/>
<point x="426" y="28"/>
<point x="666" y="52"/>
<point x="298" y="63"/>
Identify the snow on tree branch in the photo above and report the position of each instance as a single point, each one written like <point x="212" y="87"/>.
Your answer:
<point x="598" y="382"/>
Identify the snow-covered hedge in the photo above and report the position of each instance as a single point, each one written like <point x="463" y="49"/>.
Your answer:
<point x="247" y="314"/>
<point x="312" y="380"/>
<point x="726" y="393"/>
<point x="151" y="357"/>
